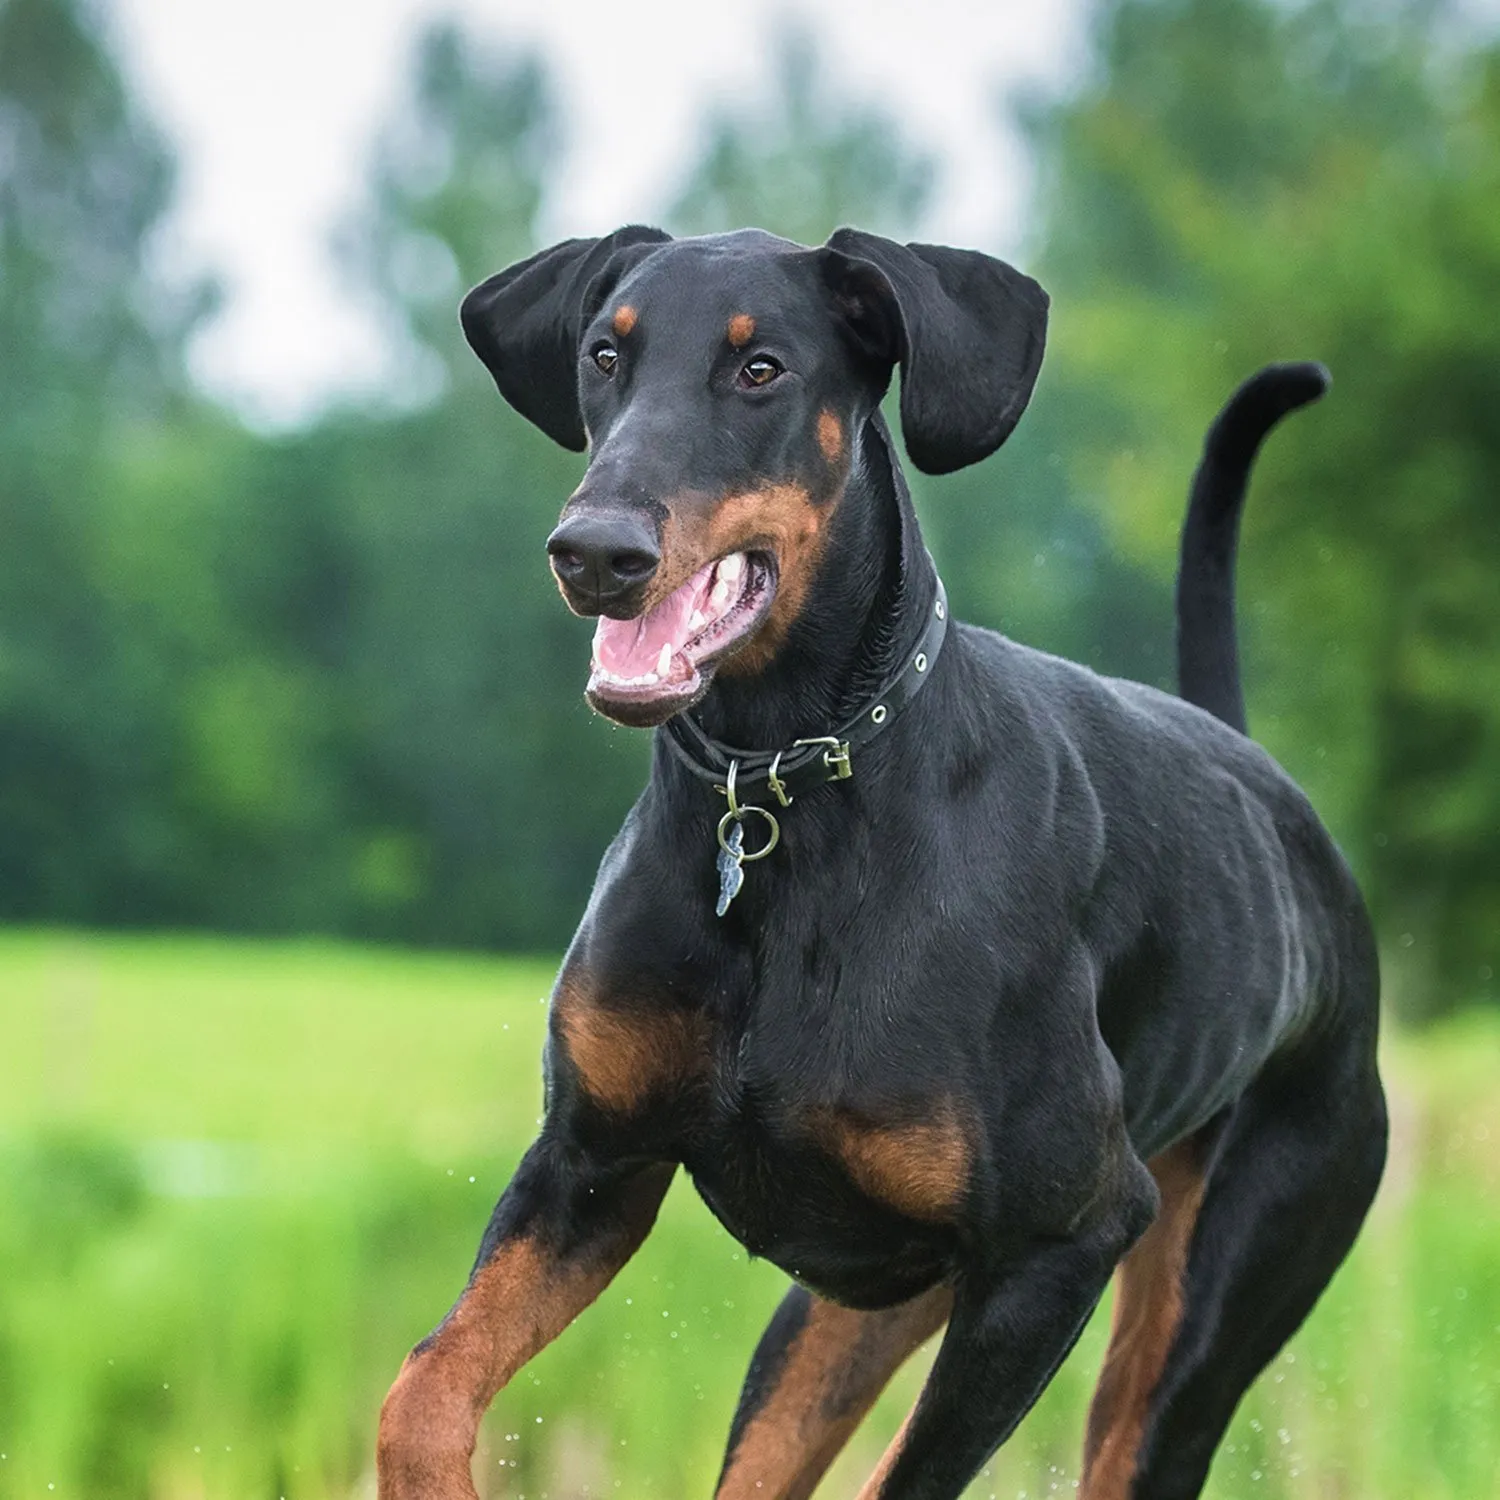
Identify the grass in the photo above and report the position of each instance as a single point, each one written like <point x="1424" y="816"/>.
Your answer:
<point x="238" y="1180"/>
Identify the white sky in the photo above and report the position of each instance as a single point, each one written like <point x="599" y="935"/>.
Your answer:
<point x="271" y="107"/>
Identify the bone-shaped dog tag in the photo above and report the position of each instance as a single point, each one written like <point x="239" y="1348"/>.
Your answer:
<point x="731" y="868"/>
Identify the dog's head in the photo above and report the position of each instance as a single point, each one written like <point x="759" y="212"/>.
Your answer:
<point x="720" y="385"/>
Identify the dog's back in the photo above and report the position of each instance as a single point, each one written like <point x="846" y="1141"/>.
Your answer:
<point x="1220" y="914"/>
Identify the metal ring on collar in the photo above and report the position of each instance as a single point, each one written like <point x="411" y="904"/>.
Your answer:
<point x="739" y="815"/>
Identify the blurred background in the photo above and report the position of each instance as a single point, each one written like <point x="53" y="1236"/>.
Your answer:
<point x="298" y="793"/>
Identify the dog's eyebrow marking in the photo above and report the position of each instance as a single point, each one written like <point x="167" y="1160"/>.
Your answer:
<point x="741" y="329"/>
<point x="624" y="319"/>
<point x="830" y="436"/>
<point x="920" y="1169"/>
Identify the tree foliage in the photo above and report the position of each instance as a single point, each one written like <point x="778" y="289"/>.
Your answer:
<point x="455" y="185"/>
<point x="90" y="347"/>
<point x="322" y="681"/>
<point x="1241" y="182"/>
<point x="801" y="161"/>
<point x="84" y="180"/>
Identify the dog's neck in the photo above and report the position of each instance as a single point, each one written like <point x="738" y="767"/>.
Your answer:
<point x="859" y="619"/>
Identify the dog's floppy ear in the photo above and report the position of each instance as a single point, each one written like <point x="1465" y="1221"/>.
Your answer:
<point x="525" y="323"/>
<point x="966" y="329"/>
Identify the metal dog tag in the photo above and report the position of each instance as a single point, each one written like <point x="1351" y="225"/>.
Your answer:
<point x="731" y="867"/>
<point x="731" y="836"/>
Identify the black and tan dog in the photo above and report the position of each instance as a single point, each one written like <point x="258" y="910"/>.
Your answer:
<point x="1045" y="978"/>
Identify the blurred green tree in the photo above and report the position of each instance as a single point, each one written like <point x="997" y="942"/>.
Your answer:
<point x="455" y="186"/>
<point x="451" y="676"/>
<point x="801" y="160"/>
<point x="86" y="180"/>
<point x="323" y="682"/>
<point x="92" y="354"/>
<point x="1239" y="181"/>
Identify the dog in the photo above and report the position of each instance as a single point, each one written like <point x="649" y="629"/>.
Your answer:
<point x="973" y="980"/>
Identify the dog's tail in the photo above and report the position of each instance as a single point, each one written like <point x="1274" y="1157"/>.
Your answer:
<point x="1208" y="666"/>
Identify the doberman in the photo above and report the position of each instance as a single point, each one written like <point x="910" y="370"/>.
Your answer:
<point x="983" y="979"/>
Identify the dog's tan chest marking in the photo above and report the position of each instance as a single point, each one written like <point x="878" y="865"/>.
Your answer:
<point x="627" y="1057"/>
<point x="920" y="1168"/>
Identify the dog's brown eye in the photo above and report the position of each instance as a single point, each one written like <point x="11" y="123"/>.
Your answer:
<point x="760" y="371"/>
<point x="606" y="356"/>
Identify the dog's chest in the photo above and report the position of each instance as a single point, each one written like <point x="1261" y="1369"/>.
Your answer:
<point x="853" y="1191"/>
<point x="827" y="1133"/>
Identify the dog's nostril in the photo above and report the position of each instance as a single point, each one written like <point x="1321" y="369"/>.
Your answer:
<point x="603" y="555"/>
<point x="633" y="564"/>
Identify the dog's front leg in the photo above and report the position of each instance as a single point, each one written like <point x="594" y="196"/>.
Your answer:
<point x="1009" y="1331"/>
<point x="817" y="1371"/>
<point x="564" y="1226"/>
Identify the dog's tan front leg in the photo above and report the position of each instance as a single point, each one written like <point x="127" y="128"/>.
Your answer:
<point x="816" y="1373"/>
<point x="556" y="1239"/>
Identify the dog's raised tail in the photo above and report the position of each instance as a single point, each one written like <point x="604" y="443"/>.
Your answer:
<point x="1208" y="665"/>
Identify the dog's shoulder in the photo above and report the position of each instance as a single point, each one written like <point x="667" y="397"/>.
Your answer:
<point x="1025" y="686"/>
<point x="1141" y="752"/>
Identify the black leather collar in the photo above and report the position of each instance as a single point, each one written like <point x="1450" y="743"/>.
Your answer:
<point x="809" y="762"/>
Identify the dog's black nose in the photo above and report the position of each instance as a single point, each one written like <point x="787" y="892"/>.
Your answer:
<point x="602" y="557"/>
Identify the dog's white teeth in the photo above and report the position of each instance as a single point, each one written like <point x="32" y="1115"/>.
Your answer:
<point x="696" y="621"/>
<point x="720" y="596"/>
<point x="646" y="680"/>
<point x="731" y="568"/>
<point x="663" y="662"/>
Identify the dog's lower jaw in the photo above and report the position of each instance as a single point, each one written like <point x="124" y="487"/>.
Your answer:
<point x="646" y="713"/>
<point x="649" y="667"/>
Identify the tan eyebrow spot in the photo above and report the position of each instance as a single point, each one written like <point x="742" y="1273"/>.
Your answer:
<point x="623" y="320"/>
<point x="741" y="329"/>
<point x="830" y="436"/>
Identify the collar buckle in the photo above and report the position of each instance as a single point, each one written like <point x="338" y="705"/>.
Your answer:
<point x="835" y="755"/>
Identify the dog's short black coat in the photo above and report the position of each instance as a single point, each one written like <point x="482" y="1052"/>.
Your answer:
<point x="1067" y="978"/>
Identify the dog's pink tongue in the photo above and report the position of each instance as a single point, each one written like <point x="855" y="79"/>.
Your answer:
<point x="628" y="649"/>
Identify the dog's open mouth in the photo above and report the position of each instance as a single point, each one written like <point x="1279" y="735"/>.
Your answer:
<point x="648" y="668"/>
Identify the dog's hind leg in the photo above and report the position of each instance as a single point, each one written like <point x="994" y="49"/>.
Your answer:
<point x="1257" y="1215"/>
<point x="816" y="1372"/>
<point x="561" y="1230"/>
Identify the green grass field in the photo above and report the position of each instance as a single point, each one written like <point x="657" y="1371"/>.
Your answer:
<point x="238" y="1180"/>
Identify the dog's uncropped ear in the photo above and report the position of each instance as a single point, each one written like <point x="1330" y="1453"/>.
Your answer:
<point x="525" y="323"/>
<point x="966" y="329"/>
